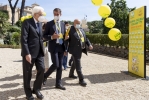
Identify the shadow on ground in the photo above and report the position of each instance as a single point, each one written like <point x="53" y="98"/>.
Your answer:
<point x="18" y="61"/>
<point x="94" y="79"/>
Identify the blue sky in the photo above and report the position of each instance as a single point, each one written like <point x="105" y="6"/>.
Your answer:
<point x="72" y="9"/>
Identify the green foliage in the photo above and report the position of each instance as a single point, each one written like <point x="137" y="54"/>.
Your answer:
<point x="95" y="26"/>
<point x="18" y="23"/>
<point x="103" y="39"/>
<point x="7" y="38"/>
<point x="120" y="13"/>
<point x="147" y="21"/>
<point x="14" y="29"/>
<point x="3" y="22"/>
<point x="70" y="22"/>
<point x="147" y="41"/>
<point x="12" y="38"/>
<point x="87" y="33"/>
<point x="147" y="30"/>
<point x="10" y="46"/>
<point x="147" y="25"/>
<point x="15" y="38"/>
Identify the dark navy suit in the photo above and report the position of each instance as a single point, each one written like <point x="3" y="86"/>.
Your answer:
<point x="56" y="50"/>
<point x="32" y="43"/>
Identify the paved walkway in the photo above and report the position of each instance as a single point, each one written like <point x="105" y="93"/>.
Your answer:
<point x="102" y="74"/>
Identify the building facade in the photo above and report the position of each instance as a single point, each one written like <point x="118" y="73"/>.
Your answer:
<point x="84" y="25"/>
<point x="27" y="11"/>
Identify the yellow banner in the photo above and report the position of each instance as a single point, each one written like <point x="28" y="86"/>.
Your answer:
<point x="136" y="64"/>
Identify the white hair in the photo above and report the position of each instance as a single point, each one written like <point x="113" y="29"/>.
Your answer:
<point x="37" y="9"/>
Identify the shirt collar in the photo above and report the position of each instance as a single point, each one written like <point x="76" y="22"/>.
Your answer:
<point x="35" y="21"/>
<point x="56" y="21"/>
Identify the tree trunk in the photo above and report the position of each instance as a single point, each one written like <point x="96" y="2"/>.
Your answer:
<point x="13" y="16"/>
<point x="13" y="10"/>
<point x="22" y="8"/>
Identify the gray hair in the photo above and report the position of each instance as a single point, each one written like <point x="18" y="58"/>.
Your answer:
<point x="37" y="9"/>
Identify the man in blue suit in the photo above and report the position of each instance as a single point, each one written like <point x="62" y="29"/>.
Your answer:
<point x="54" y="32"/>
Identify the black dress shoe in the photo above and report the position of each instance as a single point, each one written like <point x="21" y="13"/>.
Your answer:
<point x="30" y="98"/>
<point x="82" y="82"/>
<point x="60" y="87"/>
<point x="44" y="81"/>
<point x="73" y="76"/>
<point x="38" y="94"/>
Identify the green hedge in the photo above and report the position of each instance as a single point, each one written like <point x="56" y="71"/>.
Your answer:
<point x="103" y="39"/>
<point x="10" y="46"/>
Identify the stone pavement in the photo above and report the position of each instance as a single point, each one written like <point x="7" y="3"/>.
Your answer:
<point x="102" y="74"/>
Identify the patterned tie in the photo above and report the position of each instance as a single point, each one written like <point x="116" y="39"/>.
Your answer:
<point x="79" y="33"/>
<point x="38" y="28"/>
<point x="58" y="29"/>
<point x="81" y="36"/>
<point x="57" y="23"/>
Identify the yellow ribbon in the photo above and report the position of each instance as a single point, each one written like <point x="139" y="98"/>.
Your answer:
<point x="81" y="35"/>
<point x="57" y="26"/>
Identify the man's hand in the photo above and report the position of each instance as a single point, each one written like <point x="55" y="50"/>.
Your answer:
<point x="28" y="58"/>
<point x="91" y="47"/>
<point x="66" y="37"/>
<point x="55" y="36"/>
<point x="65" y="53"/>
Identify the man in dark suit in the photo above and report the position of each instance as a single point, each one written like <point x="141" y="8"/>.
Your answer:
<point x="54" y="32"/>
<point x="77" y="44"/>
<point x="32" y="53"/>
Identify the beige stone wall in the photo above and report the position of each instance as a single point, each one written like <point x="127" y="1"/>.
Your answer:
<point x="7" y="7"/>
<point x="17" y="12"/>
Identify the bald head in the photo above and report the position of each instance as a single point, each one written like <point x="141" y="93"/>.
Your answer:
<point x="76" y="22"/>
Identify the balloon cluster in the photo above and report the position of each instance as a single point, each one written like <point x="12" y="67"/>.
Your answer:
<point x="104" y="11"/>
<point x="25" y="17"/>
<point x="29" y="16"/>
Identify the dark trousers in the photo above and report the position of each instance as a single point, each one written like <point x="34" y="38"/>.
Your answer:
<point x="27" y="74"/>
<point x="57" y="58"/>
<point x="65" y="61"/>
<point x="76" y="65"/>
<point x="70" y="61"/>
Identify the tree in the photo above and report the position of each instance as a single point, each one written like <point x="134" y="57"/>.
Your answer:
<point x="13" y="10"/>
<point x="19" y="23"/>
<point x="147" y="25"/>
<point x="95" y="26"/>
<point x="22" y="8"/>
<point x="147" y="21"/>
<point x="3" y="22"/>
<point x="120" y="12"/>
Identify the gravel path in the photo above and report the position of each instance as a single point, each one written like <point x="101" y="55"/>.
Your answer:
<point x="102" y="74"/>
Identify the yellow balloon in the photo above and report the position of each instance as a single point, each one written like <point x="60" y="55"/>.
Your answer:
<point x="104" y="11"/>
<point x="114" y="34"/>
<point x="44" y="14"/>
<point x="109" y="22"/>
<point x="29" y="16"/>
<point x="97" y="2"/>
<point x="22" y="18"/>
<point x="26" y="17"/>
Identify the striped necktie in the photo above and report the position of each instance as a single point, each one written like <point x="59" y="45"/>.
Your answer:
<point x="38" y="28"/>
